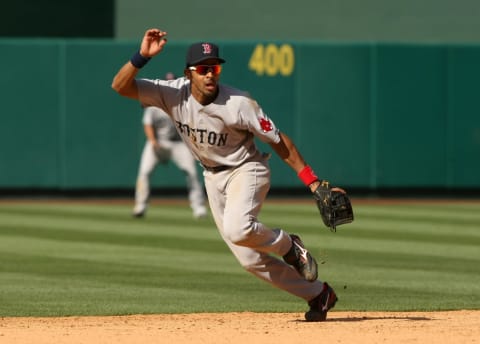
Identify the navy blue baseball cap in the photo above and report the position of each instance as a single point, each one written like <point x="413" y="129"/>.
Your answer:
<point x="202" y="51"/>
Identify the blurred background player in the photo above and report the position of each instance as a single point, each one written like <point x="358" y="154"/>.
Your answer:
<point x="162" y="145"/>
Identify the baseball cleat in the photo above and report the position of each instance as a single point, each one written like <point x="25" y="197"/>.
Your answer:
<point x="301" y="259"/>
<point x="138" y="215"/>
<point x="200" y="213"/>
<point x="139" y="211"/>
<point x="320" y="305"/>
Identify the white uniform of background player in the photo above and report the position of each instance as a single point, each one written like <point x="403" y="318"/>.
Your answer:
<point x="164" y="144"/>
<point x="219" y="124"/>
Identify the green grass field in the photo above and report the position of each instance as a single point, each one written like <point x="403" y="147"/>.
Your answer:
<point x="60" y="259"/>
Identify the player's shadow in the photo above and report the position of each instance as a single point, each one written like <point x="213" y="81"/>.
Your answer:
<point x="369" y="318"/>
<point x="388" y="317"/>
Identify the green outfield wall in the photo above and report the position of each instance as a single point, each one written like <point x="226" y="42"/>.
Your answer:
<point x="364" y="115"/>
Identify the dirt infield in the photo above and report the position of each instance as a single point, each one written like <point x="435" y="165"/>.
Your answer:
<point x="235" y="328"/>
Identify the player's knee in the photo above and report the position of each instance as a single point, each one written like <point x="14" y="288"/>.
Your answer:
<point x="240" y="238"/>
<point x="241" y="234"/>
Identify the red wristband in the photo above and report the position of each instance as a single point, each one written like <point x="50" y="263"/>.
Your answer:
<point x="307" y="176"/>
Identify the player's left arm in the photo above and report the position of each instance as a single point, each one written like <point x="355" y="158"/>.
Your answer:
<point x="288" y="152"/>
<point x="333" y="203"/>
<point x="150" y="134"/>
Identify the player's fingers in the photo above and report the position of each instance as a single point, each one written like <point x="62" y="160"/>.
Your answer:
<point x="155" y="33"/>
<point x="162" y="42"/>
<point x="153" y="42"/>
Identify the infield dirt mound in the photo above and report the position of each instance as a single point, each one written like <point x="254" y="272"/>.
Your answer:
<point x="247" y="328"/>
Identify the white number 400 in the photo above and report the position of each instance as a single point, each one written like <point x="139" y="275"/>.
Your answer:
<point x="271" y="60"/>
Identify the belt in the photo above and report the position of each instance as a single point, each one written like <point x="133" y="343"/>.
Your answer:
<point x="216" y="169"/>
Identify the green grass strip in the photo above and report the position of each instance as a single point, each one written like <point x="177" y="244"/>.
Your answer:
<point x="60" y="259"/>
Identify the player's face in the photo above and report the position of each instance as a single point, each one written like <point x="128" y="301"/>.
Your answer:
<point x="204" y="80"/>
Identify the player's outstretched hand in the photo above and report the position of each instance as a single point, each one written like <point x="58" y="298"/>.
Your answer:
<point x="153" y="42"/>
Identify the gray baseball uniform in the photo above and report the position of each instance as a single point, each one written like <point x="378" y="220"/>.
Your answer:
<point x="237" y="175"/>
<point x="168" y="146"/>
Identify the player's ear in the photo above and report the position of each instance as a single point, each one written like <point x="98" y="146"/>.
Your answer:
<point x="188" y="73"/>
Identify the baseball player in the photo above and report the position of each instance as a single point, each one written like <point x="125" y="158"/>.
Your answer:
<point x="164" y="144"/>
<point x="219" y="124"/>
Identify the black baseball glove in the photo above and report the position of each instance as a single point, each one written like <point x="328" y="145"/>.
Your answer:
<point x="334" y="206"/>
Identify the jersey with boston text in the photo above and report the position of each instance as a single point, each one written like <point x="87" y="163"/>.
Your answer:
<point x="220" y="133"/>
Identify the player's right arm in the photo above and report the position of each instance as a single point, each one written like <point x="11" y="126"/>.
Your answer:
<point x="124" y="81"/>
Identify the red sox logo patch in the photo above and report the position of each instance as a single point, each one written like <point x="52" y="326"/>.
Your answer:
<point x="266" y="125"/>
<point x="207" y="48"/>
